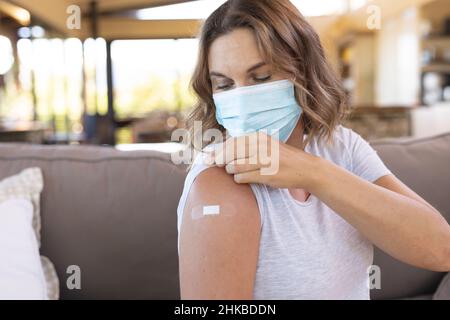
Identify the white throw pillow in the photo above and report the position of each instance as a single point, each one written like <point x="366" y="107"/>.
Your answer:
<point x="21" y="273"/>
<point x="28" y="185"/>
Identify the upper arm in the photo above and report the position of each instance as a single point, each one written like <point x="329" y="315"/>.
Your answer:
<point x="218" y="254"/>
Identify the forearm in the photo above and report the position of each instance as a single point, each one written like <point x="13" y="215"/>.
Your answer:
<point x="405" y="228"/>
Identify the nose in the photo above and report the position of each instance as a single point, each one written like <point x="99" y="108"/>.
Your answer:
<point x="242" y="83"/>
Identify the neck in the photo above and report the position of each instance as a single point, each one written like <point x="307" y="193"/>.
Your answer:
<point x="296" y="139"/>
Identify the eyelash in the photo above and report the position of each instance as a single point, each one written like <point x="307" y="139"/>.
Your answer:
<point x="256" y="79"/>
<point x="263" y="79"/>
<point x="223" y="87"/>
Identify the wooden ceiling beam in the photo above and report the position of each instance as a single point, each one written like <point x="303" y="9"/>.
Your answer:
<point x="51" y="14"/>
<point x="122" y="28"/>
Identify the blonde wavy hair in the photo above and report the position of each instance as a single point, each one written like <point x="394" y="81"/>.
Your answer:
<point x="288" y="43"/>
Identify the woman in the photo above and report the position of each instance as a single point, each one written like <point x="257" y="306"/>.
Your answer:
<point x="307" y="230"/>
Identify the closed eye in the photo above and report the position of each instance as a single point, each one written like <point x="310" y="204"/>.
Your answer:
<point x="263" y="79"/>
<point x="224" y="87"/>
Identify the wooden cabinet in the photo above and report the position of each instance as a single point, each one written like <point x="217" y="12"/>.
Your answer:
<point x="357" y="61"/>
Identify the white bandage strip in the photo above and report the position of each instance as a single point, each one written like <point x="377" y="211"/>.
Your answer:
<point x="211" y="210"/>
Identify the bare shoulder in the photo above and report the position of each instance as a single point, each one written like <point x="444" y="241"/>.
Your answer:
<point x="215" y="187"/>
<point x="218" y="253"/>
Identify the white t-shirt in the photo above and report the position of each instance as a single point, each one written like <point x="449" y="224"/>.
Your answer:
<point x="307" y="251"/>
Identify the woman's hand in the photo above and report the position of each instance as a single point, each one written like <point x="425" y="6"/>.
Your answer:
<point x="257" y="158"/>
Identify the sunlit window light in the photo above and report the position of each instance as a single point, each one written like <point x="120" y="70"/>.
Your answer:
<point x="27" y="32"/>
<point x="357" y="4"/>
<point x="24" y="32"/>
<point x="6" y="55"/>
<point x="37" y="32"/>
<point x="313" y="8"/>
<point x="201" y="9"/>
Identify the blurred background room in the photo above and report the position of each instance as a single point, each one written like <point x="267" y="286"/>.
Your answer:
<point x="116" y="72"/>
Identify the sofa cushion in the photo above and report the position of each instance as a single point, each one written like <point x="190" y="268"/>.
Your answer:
<point x="423" y="165"/>
<point x="443" y="291"/>
<point x="114" y="215"/>
<point x="111" y="213"/>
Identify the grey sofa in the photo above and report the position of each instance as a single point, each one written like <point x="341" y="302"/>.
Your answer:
<point x="113" y="214"/>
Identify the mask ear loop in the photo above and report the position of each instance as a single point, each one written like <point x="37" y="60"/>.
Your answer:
<point x="301" y="115"/>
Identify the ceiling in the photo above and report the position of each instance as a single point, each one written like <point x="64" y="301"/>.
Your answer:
<point x="114" y="23"/>
<point x="111" y="22"/>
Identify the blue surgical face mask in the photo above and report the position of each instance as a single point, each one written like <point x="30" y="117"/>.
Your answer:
<point x="269" y="107"/>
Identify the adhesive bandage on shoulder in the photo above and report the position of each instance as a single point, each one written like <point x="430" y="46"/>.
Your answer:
<point x="208" y="211"/>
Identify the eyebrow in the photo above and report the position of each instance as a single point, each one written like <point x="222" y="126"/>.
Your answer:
<point x="253" y="68"/>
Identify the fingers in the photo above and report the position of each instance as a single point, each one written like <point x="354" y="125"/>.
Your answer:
<point x="240" y="148"/>
<point x="250" y="177"/>
<point x="237" y="166"/>
<point x="230" y="150"/>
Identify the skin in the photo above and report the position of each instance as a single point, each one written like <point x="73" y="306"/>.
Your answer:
<point x="218" y="255"/>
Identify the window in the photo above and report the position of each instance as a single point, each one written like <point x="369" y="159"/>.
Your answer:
<point x="152" y="75"/>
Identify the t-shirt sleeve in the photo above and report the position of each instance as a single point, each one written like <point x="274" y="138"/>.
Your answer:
<point x="364" y="160"/>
